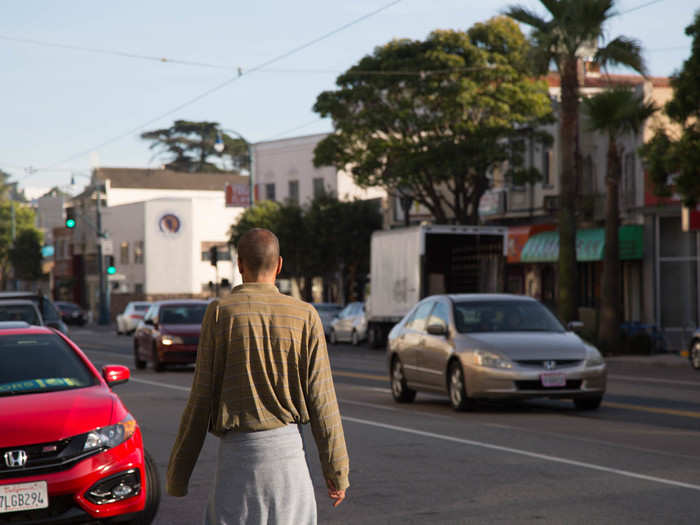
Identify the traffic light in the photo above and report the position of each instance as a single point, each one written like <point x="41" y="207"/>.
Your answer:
<point x="213" y="255"/>
<point x="70" y="218"/>
<point x="111" y="270"/>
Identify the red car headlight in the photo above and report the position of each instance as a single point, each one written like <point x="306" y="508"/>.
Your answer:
<point x="111" y="436"/>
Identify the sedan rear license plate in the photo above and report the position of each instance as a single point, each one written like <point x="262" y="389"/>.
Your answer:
<point x="553" y="380"/>
<point x="23" y="496"/>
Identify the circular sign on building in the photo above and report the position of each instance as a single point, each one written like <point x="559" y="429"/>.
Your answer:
<point x="170" y="224"/>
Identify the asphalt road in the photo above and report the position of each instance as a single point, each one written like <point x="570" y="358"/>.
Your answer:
<point x="634" y="460"/>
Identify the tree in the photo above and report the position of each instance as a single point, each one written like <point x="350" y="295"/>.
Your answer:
<point x="431" y="119"/>
<point x="615" y="113"/>
<point x="327" y="238"/>
<point x="24" y="220"/>
<point x="672" y="158"/>
<point x="189" y="145"/>
<point x="25" y="256"/>
<point x="574" y="27"/>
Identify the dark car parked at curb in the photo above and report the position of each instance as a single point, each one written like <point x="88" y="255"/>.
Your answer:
<point x="70" y="452"/>
<point x="169" y="333"/>
<point x="48" y="310"/>
<point x="71" y="313"/>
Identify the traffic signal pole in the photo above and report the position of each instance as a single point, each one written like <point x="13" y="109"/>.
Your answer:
<point x="103" y="318"/>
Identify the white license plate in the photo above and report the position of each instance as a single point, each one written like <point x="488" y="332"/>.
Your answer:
<point x="23" y="496"/>
<point x="553" y="380"/>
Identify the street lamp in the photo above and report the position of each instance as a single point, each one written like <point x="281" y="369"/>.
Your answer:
<point x="219" y="146"/>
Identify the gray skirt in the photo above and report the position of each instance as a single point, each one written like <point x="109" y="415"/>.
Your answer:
<point x="262" y="478"/>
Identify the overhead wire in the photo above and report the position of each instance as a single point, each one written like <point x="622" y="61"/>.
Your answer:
<point x="229" y="81"/>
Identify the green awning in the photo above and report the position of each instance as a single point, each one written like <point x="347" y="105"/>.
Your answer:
<point x="590" y="245"/>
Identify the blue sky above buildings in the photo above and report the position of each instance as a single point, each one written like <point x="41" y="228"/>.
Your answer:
<point x="59" y="105"/>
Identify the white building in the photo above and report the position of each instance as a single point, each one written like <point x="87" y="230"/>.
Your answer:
<point x="284" y="171"/>
<point x="161" y="246"/>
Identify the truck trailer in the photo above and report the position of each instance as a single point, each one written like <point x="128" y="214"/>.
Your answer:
<point x="408" y="264"/>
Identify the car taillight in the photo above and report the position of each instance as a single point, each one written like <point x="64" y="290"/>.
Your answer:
<point x="136" y="316"/>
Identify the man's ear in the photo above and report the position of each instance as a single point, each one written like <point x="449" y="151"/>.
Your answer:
<point x="279" y="267"/>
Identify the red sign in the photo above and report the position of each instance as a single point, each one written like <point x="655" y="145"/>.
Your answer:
<point x="237" y="195"/>
<point x="518" y="237"/>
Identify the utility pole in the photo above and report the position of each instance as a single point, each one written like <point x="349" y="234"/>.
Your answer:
<point x="103" y="318"/>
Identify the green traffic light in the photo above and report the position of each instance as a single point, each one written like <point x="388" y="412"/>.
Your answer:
<point x="70" y="223"/>
<point x="111" y="270"/>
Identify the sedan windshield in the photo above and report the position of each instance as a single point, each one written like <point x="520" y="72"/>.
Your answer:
<point x="504" y="316"/>
<point x="182" y="314"/>
<point x="19" y="312"/>
<point x="31" y="363"/>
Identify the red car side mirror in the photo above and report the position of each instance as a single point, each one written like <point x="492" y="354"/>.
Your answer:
<point x="115" y="374"/>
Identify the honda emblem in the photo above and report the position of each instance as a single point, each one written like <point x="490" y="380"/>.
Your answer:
<point x="549" y="365"/>
<point x="15" y="458"/>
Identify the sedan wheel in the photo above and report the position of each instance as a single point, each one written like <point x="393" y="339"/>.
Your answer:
<point x="138" y="362"/>
<point x="695" y="355"/>
<point x="355" y="338"/>
<point x="146" y="516"/>
<point x="332" y="338"/>
<point x="399" y="390"/>
<point x="458" y="393"/>
<point x="158" y="366"/>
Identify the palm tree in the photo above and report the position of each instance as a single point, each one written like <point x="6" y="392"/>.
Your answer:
<point x="575" y="27"/>
<point x="615" y="113"/>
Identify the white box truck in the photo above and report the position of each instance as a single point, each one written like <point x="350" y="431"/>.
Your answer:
<point x="408" y="264"/>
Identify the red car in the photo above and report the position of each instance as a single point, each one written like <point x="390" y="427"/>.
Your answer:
<point x="169" y="333"/>
<point x="70" y="452"/>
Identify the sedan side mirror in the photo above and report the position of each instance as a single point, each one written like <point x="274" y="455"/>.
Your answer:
<point x="115" y="374"/>
<point x="437" y="329"/>
<point x="574" y="326"/>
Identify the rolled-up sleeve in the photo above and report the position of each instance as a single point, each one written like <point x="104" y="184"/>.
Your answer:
<point x="195" y="418"/>
<point x="324" y="413"/>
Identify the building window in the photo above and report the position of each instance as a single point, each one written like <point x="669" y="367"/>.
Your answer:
<point x="547" y="167"/>
<point x="294" y="191"/>
<point x="319" y="187"/>
<point x="270" y="191"/>
<point x="138" y="288"/>
<point x="138" y="252"/>
<point x="124" y="253"/>
<point x="629" y="186"/>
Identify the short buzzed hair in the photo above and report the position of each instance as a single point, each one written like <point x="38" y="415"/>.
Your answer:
<point x="259" y="251"/>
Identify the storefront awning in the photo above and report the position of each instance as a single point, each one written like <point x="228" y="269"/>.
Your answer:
<point x="590" y="245"/>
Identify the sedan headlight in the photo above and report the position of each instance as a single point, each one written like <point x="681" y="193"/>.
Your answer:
<point x="167" y="340"/>
<point x="593" y="357"/>
<point x="111" y="436"/>
<point x="491" y="360"/>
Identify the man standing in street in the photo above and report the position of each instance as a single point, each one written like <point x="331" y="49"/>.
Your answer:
<point x="262" y="370"/>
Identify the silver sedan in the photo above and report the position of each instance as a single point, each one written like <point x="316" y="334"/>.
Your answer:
<point x="491" y="346"/>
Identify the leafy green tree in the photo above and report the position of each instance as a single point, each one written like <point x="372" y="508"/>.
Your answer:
<point x="430" y="119"/>
<point x="189" y="145"/>
<point x="24" y="220"/>
<point x="327" y="238"/>
<point x="25" y="256"/>
<point x="571" y="29"/>
<point x="677" y="152"/>
<point x="616" y="113"/>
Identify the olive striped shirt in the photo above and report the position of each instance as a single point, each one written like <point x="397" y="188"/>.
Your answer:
<point x="262" y="363"/>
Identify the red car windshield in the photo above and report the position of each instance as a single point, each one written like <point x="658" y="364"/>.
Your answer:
<point x="31" y="363"/>
<point x="182" y="314"/>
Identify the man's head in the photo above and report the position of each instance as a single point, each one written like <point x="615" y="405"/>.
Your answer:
<point x="259" y="256"/>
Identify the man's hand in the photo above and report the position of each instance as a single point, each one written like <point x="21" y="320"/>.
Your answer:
<point x="336" y="495"/>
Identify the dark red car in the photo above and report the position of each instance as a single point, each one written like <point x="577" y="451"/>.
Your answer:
<point x="169" y="333"/>
<point x="70" y="452"/>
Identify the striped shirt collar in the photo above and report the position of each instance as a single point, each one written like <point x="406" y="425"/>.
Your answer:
<point x="256" y="287"/>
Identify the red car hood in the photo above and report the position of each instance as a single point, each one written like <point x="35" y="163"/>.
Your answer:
<point x="51" y="416"/>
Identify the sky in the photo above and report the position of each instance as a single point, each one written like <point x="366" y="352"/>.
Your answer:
<point x="261" y="66"/>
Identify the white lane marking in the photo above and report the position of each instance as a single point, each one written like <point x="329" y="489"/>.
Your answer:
<point x="545" y="457"/>
<point x="163" y="385"/>
<point x="654" y="380"/>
